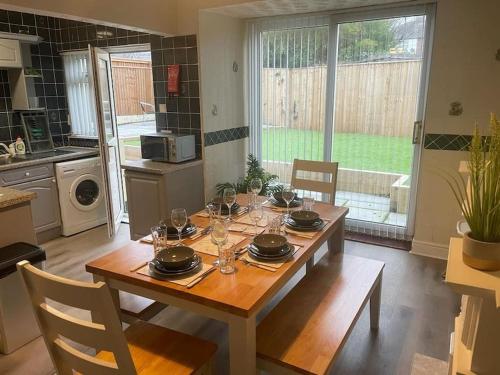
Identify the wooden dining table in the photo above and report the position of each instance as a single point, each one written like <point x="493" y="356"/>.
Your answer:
<point x="235" y="299"/>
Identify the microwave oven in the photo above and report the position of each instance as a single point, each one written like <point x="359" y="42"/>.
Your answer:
<point x="170" y="148"/>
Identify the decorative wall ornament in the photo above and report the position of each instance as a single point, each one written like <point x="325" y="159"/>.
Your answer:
<point x="235" y="66"/>
<point x="456" y="109"/>
<point x="214" y="110"/>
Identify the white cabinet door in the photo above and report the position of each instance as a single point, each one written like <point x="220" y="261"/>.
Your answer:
<point x="10" y="54"/>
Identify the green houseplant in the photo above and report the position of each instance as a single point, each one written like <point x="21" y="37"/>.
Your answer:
<point x="254" y="170"/>
<point x="480" y="200"/>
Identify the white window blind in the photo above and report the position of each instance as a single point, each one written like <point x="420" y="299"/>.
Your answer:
<point x="79" y="93"/>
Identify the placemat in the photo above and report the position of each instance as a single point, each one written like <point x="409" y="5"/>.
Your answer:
<point x="271" y="264"/>
<point x="262" y="223"/>
<point x="308" y="235"/>
<point x="183" y="280"/>
<point x="149" y="238"/>
<point x="206" y="246"/>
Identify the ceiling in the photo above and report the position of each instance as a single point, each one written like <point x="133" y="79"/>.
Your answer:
<point x="265" y="8"/>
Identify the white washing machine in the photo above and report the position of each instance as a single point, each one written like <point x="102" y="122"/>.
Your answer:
<point x="81" y="195"/>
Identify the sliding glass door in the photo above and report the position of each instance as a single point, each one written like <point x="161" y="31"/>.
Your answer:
<point x="347" y="88"/>
<point x="293" y="71"/>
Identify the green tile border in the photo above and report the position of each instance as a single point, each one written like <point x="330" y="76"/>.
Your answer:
<point x="448" y="142"/>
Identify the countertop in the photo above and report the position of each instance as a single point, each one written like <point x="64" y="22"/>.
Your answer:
<point x="10" y="197"/>
<point x="60" y="154"/>
<point x="156" y="167"/>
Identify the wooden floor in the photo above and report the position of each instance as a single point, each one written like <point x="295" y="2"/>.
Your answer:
<point x="416" y="317"/>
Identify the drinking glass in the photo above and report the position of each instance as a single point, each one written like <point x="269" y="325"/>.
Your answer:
<point x="226" y="255"/>
<point x="256" y="214"/>
<point x="160" y="238"/>
<point x="250" y="195"/>
<point x="288" y="195"/>
<point x="307" y="203"/>
<point x="256" y="186"/>
<point x="179" y="220"/>
<point x="229" y="197"/>
<point x="213" y="211"/>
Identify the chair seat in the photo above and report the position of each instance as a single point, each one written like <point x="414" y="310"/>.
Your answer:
<point x="159" y="350"/>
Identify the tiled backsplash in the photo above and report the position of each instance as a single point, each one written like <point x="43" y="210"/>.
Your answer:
<point x="49" y="88"/>
<point x="183" y="112"/>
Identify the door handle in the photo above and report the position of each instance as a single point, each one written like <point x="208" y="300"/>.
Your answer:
<point x="417" y="132"/>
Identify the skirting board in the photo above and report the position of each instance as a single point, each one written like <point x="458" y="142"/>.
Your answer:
<point x="429" y="249"/>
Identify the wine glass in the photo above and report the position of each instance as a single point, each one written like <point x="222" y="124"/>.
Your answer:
<point x="256" y="186"/>
<point x="288" y="195"/>
<point x="250" y="196"/>
<point x="179" y="220"/>
<point x="229" y="197"/>
<point x="256" y="214"/>
<point x="226" y="256"/>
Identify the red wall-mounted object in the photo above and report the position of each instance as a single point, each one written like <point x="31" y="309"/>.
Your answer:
<point x="173" y="79"/>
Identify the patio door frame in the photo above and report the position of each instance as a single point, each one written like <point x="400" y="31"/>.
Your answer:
<point x="333" y="20"/>
<point x="427" y="10"/>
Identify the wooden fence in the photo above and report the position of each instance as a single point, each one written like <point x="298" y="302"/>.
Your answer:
<point x="133" y="84"/>
<point x="371" y="98"/>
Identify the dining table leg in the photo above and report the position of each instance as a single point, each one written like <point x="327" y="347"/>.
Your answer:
<point x="336" y="241"/>
<point x="242" y="345"/>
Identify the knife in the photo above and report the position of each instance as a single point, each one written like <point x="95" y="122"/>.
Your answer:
<point x="198" y="279"/>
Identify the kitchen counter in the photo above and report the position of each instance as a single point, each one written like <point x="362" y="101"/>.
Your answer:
<point x="11" y="197"/>
<point x="156" y="167"/>
<point x="59" y="154"/>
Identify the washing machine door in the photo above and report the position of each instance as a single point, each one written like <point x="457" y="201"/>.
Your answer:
<point x="86" y="192"/>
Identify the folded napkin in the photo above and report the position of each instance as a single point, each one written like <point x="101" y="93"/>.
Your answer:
<point x="183" y="280"/>
<point x="269" y="264"/>
<point x="206" y="246"/>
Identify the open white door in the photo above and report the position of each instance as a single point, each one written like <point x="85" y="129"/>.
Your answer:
<point x="108" y="136"/>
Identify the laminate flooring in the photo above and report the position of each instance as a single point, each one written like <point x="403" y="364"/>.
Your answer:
<point x="417" y="311"/>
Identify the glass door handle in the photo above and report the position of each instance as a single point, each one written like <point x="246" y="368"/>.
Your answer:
<point x="417" y="132"/>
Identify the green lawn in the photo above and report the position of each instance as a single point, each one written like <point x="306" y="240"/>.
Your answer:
<point x="351" y="150"/>
<point x="133" y="142"/>
<point x="355" y="151"/>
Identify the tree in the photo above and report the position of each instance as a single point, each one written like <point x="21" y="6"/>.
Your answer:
<point x="304" y="47"/>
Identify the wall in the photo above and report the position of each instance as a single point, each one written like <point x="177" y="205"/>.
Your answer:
<point x="463" y="69"/>
<point x="221" y="42"/>
<point x="157" y="15"/>
<point x="49" y="88"/>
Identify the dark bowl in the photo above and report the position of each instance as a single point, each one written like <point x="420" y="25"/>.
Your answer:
<point x="176" y="257"/>
<point x="269" y="243"/>
<point x="279" y="197"/>
<point x="304" y="217"/>
<point x="219" y="201"/>
<point x="173" y="230"/>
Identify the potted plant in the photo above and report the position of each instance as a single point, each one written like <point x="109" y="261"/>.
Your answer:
<point x="480" y="202"/>
<point x="254" y="170"/>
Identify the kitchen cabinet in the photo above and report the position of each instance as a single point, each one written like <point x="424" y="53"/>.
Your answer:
<point x="154" y="189"/>
<point x="10" y="53"/>
<point x="39" y="179"/>
<point x="45" y="207"/>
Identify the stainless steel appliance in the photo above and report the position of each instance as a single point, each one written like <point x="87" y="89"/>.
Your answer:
<point x="168" y="147"/>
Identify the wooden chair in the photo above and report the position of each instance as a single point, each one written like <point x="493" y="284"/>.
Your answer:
<point x="142" y="349"/>
<point x="329" y="168"/>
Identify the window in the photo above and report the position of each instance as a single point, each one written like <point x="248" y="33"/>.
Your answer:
<point x="79" y="93"/>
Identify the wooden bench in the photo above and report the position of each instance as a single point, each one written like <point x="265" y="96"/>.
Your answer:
<point x="306" y="331"/>
<point x="133" y="307"/>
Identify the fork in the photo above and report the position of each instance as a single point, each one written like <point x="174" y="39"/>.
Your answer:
<point x="261" y="266"/>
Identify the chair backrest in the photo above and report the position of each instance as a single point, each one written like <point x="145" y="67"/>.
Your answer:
<point x="319" y="169"/>
<point x="104" y="332"/>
